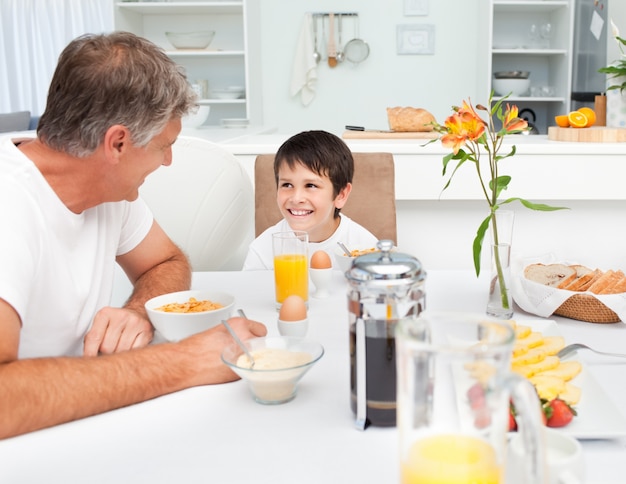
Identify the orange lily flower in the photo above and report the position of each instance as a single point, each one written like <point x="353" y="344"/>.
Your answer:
<point x="511" y="120"/>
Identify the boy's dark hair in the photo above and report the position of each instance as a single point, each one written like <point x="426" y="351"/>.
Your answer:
<point x="321" y="152"/>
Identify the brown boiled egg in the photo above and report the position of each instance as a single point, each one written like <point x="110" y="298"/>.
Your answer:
<point x="293" y="309"/>
<point x="320" y="260"/>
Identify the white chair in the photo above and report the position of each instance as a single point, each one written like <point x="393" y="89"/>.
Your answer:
<point x="204" y="201"/>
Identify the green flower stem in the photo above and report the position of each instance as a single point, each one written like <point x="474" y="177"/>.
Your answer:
<point x="504" y="292"/>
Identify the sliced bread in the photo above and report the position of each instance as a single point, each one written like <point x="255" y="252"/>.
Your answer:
<point x="583" y="275"/>
<point x="603" y="282"/>
<point x="552" y="275"/>
<point x="616" y="280"/>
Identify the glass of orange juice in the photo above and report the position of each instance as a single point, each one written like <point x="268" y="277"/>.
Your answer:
<point x="453" y="396"/>
<point x="291" y="268"/>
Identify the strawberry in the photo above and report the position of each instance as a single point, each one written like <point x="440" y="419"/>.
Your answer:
<point x="512" y="421"/>
<point x="558" y="413"/>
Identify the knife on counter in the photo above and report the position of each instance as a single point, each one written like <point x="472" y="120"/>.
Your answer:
<point x="361" y="128"/>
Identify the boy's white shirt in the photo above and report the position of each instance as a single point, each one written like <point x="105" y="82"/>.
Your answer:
<point x="260" y="254"/>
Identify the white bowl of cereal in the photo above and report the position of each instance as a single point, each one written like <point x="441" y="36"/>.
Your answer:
<point x="344" y="261"/>
<point x="180" y="314"/>
<point x="279" y="364"/>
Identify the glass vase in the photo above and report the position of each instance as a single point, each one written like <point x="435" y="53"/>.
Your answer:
<point x="500" y="301"/>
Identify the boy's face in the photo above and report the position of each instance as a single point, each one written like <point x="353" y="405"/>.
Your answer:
<point x="306" y="201"/>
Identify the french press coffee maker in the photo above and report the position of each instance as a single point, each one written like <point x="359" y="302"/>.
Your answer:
<point x="385" y="288"/>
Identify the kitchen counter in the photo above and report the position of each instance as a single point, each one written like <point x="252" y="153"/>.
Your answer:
<point x="539" y="169"/>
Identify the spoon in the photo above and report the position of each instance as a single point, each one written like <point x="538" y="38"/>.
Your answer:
<point x="316" y="55"/>
<point x="340" y="55"/>
<point x="239" y="342"/>
<point x="344" y="248"/>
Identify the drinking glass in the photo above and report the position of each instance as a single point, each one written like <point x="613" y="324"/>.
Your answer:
<point x="291" y="274"/>
<point x="546" y="34"/>
<point x="454" y="390"/>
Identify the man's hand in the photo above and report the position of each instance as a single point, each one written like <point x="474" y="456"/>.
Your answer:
<point x="203" y="351"/>
<point x="114" y="330"/>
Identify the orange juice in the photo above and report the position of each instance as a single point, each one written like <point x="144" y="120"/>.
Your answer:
<point x="291" y="276"/>
<point x="451" y="459"/>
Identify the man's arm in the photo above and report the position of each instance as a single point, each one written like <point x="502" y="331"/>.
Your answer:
<point x="156" y="266"/>
<point x="42" y="392"/>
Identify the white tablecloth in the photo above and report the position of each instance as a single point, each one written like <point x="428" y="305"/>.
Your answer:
<point x="218" y="434"/>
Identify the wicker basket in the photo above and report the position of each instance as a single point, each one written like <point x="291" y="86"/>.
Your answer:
<point x="586" y="308"/>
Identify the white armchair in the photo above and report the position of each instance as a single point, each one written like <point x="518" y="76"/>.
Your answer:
<point x="205" y="203"/>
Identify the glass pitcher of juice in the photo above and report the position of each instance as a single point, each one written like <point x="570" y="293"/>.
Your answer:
<point x="454" y="392"/>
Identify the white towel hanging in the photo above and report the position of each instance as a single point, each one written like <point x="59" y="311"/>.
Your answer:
<point x="304" y="72"/>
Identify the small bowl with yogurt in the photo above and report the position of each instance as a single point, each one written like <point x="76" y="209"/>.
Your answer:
<point x="279" y="364"/>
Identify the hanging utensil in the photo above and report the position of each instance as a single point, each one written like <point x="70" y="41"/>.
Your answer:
<point x="316" y="55"/>
<point x="323" y="50"/>
<point x="332" y="48"/>
<point x="356" y="50"/>
<point x="340" y="55"/>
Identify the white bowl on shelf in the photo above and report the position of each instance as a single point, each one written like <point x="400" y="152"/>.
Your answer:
<point x="514" y="86"/>
<point x="191" y="40"/>
<point x="230" y="92"/>
<point x="194" y="120"/>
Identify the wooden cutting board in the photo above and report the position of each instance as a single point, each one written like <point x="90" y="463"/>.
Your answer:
<point x="349" y="134"/>
<point x="594" y="134"/>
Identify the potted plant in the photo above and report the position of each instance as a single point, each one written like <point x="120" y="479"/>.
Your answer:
<point x="616" y="80"/>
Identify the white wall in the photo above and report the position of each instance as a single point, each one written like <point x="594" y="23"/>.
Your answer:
<point x="360" y="94"/>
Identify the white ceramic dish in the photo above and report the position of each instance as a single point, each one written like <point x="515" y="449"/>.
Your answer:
<point x="231" y="92"/>
<point x="598" y="416"/>
<point x="198" y="118"/>
<point x="190" y="40"/>
<point x="517" y="87"/>
<point x="176" y="326"/>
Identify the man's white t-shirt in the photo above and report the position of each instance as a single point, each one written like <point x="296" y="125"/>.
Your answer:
<point x="260" y="254"/>
<point x="57" y="267"/>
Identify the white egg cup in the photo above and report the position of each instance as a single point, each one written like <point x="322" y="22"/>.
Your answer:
<point x="322" y="279"/>
<point x="293" y="328"/>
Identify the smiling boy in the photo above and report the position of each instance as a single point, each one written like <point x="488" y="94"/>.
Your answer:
<point x="313" y="172"/>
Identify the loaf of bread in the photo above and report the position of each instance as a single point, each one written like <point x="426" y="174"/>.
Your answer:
<point x="553" y="275"/>
<point x="578" y="278"/>
<point x="409" y="119"/>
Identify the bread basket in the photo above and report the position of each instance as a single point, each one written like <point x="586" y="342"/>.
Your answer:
<point x="584" y="307"/>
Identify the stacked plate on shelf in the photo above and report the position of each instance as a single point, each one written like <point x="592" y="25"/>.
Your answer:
<point x="230" y="92"/>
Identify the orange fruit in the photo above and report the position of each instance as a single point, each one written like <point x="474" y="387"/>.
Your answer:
<point x="577" y="119"/>
<point x="562" y="121"/>
<point x="591" y="115"/>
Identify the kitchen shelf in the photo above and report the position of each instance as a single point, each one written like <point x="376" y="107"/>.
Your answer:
<point x="176" y="8"/>
<point x="204" y="102"/>
<point x="204" y="53"/>
<point x="225" y="62"/>
<point x="511" y="47"/>
<point x="523" y="51"/>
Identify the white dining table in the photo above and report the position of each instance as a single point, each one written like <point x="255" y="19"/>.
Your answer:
<point x="219" y="434"/>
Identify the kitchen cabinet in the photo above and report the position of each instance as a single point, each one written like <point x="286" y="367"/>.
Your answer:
<point x="534" y="36"/>
<point x="227" y="61"/>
